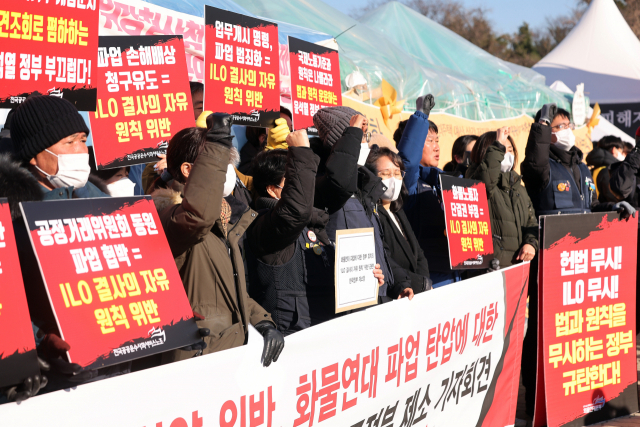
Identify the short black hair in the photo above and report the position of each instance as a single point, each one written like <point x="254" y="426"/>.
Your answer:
<point x="560" y="113"/>
<point x="268" y="169"/>
<point x="253" y="134"/>
<point x="609" y="142"/>
<point x="286" y="112"/>
<point x="196" y="87"/>
<point x="397" y="135"/>
<point x="184" y="147"/>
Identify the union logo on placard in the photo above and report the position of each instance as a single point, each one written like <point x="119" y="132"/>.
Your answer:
<point x="597" y="404"/>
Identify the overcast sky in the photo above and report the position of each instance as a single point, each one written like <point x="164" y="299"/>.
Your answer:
<point x="506" y="15"/>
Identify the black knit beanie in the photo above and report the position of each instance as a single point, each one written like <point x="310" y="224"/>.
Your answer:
<point x="42" y="121"/>
<point x="332" y="121"/>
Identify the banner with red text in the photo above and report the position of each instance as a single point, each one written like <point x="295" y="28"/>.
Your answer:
<point x="49" y="47"/>
<point x="143" y="99"/>
<point x="241" y="67"/>
<point x="586" y="334"/>
<point x="449" y="357"/>
<point x="111" y="279"/>
<point x="315" y="81"/>
<point x="466" y="213"/>
<point x="18" y="359"/>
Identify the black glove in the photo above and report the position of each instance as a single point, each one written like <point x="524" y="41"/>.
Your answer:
<point x="548" y="112"/>
<point x="425" y="104"/>
<point x="29" y="387"/>
<point x="53" y="350"/>
<point x="625" y="210"/>
<point x="273" y="342"/>
<point x="494" y="265"/>
<point x="200" y="344"/>
<point x="219" y="129"/>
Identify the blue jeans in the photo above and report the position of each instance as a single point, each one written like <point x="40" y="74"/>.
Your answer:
<point x="442" y="279"/>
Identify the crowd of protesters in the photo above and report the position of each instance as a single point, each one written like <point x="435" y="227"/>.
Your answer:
<point x="252" y="232"/>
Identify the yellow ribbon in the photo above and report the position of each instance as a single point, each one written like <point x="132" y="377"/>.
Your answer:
<point x="594" y="120"/>
<point x="388" y="103"/>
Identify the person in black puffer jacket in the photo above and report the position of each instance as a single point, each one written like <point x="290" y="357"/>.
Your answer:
<point x="291" y="259"/>
<point x="609" y="150"/>
<point x="361" y="210"/>
<point x="400" y="242"/>
<point x="513" y="221"/>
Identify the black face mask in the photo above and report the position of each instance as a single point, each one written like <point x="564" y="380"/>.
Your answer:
<point x="466" y="158"/>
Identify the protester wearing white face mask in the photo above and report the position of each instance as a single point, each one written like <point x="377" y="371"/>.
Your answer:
<point x="558" y="182"/>
<point x="513" y="222"/>
<point x="50" y="138"/>
<point x="400" y="242"/>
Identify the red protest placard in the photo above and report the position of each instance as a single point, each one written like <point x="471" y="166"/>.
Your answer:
<point x="143" y="98"/>
<point x="49" y="47"/>
<point x="111" y="279"/>
<point x="18" y="359"/>
<point x="466" y="213"/>
<point x="587" y="325"/>
<point x="241" y="67"/>
<point x="315" y="81"/>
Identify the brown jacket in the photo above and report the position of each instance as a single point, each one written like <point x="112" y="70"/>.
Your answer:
<point x="210" y="265"/>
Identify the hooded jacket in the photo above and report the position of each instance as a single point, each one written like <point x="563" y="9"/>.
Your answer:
<point x="513" y="220"/>
<point x="624" y="179"/>
<point x="210" y="261"/>
<point x="601" y="160"/>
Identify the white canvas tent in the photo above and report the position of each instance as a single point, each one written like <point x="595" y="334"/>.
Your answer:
<point x="603" y="53"/>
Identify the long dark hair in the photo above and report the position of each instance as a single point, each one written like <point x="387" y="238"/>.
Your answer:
<point x="459" y="147"/>
<point x="372" y="160"/>
<point x="485" y="140"/>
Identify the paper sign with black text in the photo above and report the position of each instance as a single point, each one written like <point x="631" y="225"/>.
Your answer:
<point x="143" y="98"/>
<point x="18" y="359"/>
<point x="49" y="47"/>
<point x="466" y="213"/>
<point x="586" y="329"/>
<point x="356" y="286"/>
<point x="315" y="81"/>
<point x="111" y="279"/>
<point x="241" y="67"/>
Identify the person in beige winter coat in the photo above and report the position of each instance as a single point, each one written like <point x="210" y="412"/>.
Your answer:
<point x="203" y="225"/>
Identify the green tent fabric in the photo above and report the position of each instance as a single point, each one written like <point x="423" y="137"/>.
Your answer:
<point x="522" y="88"/>
<point x="392" y="44"/>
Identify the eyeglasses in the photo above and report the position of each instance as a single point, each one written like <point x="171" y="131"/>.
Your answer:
<point x="563" y="126"/>
<point x="367" y="137"/>
<point x="388" y="173"/>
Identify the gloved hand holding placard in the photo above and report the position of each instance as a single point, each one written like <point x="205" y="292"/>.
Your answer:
<point x="111" y="278"/>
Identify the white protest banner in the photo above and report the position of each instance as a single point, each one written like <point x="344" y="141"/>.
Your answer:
<point x="355" y="260"/>
<point x="449" y="357"/>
